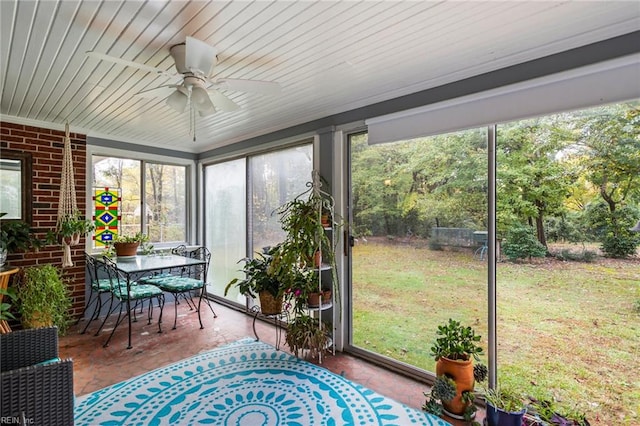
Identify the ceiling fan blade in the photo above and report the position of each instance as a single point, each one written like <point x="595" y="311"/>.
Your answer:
<point x="253" y="86"/>
<point x="157" y="92"/>
<point x="199" y="57"/>
<point x="120" y="61"/>
<point x="222" y="102"/>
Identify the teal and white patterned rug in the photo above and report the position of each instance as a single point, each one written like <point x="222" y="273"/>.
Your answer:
<point x="246" y="383"/>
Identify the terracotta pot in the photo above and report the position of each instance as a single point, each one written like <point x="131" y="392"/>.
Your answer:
<point x="317" y="259"/>
<point x="462" y="373"/>
<point x="324" y="220"/>
<point x="326" y="296"/>
<point x="314" y="299"/>
<point x="126" y="249"/>
<point x="270" y="305"/>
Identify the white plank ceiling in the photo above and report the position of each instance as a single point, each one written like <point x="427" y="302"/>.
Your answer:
<point x="328" y="56"/>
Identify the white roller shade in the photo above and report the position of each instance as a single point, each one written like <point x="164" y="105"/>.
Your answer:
<point x="605" y="82"/>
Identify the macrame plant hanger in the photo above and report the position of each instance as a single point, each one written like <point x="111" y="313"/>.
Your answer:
<point x="67" y="206"/>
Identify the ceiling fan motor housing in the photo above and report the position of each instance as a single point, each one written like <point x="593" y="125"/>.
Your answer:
<point x="178" y="53"/>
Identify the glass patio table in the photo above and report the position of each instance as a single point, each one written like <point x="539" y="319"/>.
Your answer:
<point x="135" y="267"/>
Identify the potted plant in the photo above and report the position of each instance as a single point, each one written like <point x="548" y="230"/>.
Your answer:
<point x="505" y="407"/>
<point x="7" y="299"/>
<point x="15" y="236"/>
<point x="68" y="232"/>
<point x="306" y="248"/>
<point x="547" y="412"/>
<point x="43" y="298"/>
<point x="307" y="333"/>
<point x="260" y="282"/>
<point x="72" y="227"/>
<point x="127" y="245"/>
<point x="454" y="350"/>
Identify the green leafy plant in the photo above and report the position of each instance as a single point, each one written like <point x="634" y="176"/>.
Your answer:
<point x="307" y="333"/>
<point x="294" y="259"/>
<point x="549" y="412"/>
<point x="140" y="238"/>
<point x="456" y="342"/>
<point x="505" y="399"/>
<point x="259" y="276"/>
<point x="72" y="225"/>
<point x="16" y="235"/>
<point x="9" y="297"/>
<point x="520" y="243"/>
<point x="43" y="297"/>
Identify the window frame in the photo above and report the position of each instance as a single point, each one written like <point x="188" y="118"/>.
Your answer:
<point x="144" y="159"/>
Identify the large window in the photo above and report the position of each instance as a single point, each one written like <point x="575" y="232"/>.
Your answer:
<point x="241" y="198"/>
<point x="568" y="300"/>
<point x="566" y="284"/>
<point x="153" y="196"/>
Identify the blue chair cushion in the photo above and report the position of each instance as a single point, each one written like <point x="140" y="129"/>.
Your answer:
<point x="102" y="285"/>
<point x="138" y="291"/>
<point x="156" y="279"/>
<point x="180" y="284"/>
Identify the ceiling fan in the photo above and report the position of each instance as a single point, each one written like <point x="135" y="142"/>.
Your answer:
<point x="194" y="61"/>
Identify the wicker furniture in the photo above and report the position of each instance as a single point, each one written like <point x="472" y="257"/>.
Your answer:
<point x="37" y="387"/>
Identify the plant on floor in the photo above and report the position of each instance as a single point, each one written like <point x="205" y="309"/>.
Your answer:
<point x="43" y="298"/>
<point x="505" y="406"/>
<point x="454" y="350"/>
<point x="307" y="333"/>
<point x="547" y="412"/>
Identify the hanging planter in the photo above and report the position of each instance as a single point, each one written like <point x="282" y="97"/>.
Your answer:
<point x="70" y="226"/>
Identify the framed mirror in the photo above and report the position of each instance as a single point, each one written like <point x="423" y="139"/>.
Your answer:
<point x="15" y="185"/>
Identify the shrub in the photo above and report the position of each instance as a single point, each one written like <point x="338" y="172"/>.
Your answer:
<point x="520" y="243"/>
<point x="613" y="232"/>
<point x="584" y="256"/>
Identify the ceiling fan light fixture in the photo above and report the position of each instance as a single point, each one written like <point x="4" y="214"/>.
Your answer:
<point x="178" y="101"/>
<point x="207" y="112"/>
<point x="200" y="99"/>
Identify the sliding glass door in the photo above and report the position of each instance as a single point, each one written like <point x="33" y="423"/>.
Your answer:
<point x="241" y="197"/>
<point x="419" y="225"/>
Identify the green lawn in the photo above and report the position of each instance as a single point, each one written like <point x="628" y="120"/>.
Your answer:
<point x="565" y="329"/>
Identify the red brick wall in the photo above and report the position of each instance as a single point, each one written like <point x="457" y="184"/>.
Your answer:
<point x="46" y="148"/>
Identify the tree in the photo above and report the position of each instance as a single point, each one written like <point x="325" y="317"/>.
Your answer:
<point x="609" y="146"/>
<point x="533" y="181"/>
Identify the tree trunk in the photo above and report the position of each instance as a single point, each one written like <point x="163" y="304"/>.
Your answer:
<point x="540" y="225"/>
